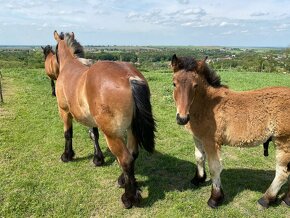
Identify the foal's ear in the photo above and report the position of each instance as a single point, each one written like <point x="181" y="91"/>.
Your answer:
<point x="201" y="64"/>
<point x="56" y="36"/>
<point x="174" y="62"/>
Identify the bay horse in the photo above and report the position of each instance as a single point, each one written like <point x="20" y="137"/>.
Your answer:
<point x="219" y="116"/>
<point x="111" y="96"/>
<point x="52" y="71"/>
<point x="51" y="66"/>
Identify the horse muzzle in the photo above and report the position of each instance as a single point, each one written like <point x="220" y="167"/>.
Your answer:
<point x="182" y="120"/>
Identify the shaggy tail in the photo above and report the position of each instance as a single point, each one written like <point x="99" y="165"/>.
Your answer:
<point x="143" y="123"/>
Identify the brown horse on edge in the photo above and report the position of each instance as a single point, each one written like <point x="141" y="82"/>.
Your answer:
<point x="51" y="66"/>
<point x="113" y="96"/>
<point x="216" y="116"/>
<point x="52" y="70"/>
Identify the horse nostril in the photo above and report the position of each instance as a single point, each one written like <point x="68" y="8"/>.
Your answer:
<point x="182" y="120"/>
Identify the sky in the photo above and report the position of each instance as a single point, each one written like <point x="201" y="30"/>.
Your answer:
<point x="255" y="23"/>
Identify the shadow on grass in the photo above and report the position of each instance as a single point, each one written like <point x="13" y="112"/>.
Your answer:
<point x="109" y="158"/>
<point x="167" y="173"/>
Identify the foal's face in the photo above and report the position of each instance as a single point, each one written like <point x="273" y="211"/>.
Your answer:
<point x="184" y="88"/>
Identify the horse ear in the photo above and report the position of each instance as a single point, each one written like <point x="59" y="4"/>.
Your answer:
<point x="42" y="47"/>
<point x="72" y="35"/>
<point x="201" y="64"/>
<point x="174" y="62"/>
<point x="56" y="36"/>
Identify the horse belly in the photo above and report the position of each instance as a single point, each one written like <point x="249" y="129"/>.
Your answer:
<point x="240" y="135"/>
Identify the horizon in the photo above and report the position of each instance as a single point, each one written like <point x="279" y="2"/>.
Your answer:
<point x="227" y="23"/>
<point x="166" y="46"/>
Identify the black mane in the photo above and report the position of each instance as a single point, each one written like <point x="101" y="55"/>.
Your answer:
<point x="46" y="50"/>
<point x="189" y="64"/>
<point x="211" y="76"/>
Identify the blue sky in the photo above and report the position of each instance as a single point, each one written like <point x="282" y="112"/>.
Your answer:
<point x="147" y="22"/>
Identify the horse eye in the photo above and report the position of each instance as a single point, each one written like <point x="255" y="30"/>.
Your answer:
<point x="174" y="84"/>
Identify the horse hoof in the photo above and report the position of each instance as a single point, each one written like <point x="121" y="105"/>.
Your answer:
<point x="126" y="202"/>
<point x="98" y="161"/>
<point x="66" y="157"/>
<point x="286" y="202"/>
<point x="216" y="198"/>
<point x="212" y="203"/>
<point x="263" y="202"/>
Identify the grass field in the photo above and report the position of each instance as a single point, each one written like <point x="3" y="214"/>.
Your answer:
<point x="35" y="183"/>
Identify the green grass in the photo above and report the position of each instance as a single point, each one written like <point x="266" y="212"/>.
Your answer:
<point x="35" y="183"/>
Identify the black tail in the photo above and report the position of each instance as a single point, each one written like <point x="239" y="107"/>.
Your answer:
<point x="143" y="123"/>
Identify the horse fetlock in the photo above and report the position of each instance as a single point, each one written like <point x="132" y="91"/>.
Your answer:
<point x="216" y="198"/>
<point x="197" y="179"/>
<point x="98" y="160"/>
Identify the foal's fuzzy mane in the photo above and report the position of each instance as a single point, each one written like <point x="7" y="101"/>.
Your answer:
<point x="76" y="48"/>
<point x="210" y="75"/>
<point x="189" y="64"/>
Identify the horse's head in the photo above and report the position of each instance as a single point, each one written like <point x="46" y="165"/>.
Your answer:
<point x="47" y="50"/>
<point x="68" y="42"/>
<point x="185" y="84"/>
<point x="189" y="78"/>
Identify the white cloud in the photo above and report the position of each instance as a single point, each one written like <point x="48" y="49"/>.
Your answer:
<point x="259" y="14"/>
<point x="185" y="2"/>
<point x="179" y="22"/>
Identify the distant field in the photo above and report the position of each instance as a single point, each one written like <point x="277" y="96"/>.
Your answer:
<point x="35" y="183"/>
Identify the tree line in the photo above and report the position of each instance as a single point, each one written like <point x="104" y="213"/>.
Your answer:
<point x="255" y="60"/>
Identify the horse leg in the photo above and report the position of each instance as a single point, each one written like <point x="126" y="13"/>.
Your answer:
<point x="266" y="146"/>
<point x="281" y="176"/>
<point x="134" y="151"/>
<point x="52" y="87"/>
<point x="200" y="175"/>
<point x="98" y="154"/>
<point x="215" y="169"/>
<point x="68" y="153"/>
<point x="126" y="161"/>
<point x="286" y="199"/>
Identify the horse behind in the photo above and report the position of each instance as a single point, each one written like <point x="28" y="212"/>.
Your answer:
<point x="51" y="66"/>
<point x="217" y="115"/>
<point x="113" y="96"/>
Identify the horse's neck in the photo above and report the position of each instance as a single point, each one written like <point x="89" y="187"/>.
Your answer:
<point x="206" y="97"/>
<point x="64" y="59"/>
